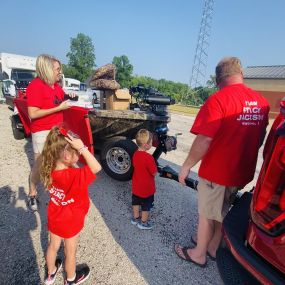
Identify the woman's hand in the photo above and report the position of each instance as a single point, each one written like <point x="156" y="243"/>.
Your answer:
<point x="63" y="106"/>
<point x="72" y="95"/>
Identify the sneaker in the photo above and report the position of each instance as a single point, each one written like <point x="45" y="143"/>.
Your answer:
<point x="51" y="277"/>
<point x="145" y="226"/>
<point x="33" y="203"/>
<point x="135" y="221"/>
<point x="81" y="275"/>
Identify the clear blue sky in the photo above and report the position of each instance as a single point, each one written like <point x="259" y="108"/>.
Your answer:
<point x="158" y="36"/>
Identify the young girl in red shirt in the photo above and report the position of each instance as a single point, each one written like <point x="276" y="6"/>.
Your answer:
<point x="69" y="199"/>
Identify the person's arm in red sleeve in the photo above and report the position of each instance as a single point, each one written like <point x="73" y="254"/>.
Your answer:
<point x="35" y="102"/>
<point x="36" y="112"/>
<point x="209" y="118"/>
<point x="152" y="168"/>
<point x="198" y="149"/>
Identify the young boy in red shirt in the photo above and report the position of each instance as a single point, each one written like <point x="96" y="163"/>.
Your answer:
<point x="143" y="184"/>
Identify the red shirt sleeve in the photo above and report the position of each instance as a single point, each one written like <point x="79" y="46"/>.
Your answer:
<point x="151" y="166"/>
<point x="209" y="118"/>
<point x="86" y="175"/>
<point x="33" y="97"/>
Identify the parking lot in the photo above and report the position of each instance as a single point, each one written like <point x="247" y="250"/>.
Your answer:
<point x="116" y="251"/>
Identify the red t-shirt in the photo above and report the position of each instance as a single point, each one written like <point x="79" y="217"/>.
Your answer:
<point x="69" y="200"/>
<point x="143" y="184"/>
<point x="235" y="117"/>
<point x="41" y="95"/>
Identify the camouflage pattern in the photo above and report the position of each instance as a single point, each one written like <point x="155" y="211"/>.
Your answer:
<point x="107" y="71"/>
<point x="106" y="124"/>
<point x="104" y="84"/>
<point x="104" y="78"/>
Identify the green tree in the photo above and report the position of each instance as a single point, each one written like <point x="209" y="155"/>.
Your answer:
<point x="211" y="83"/>
<point x="81" y="57"/>
<point x="173" y="89"/>
<point x="69" y="71"/>
<point x="124" y="70"/>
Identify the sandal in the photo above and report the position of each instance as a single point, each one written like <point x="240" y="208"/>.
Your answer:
<point x="209" y="255"/>
<point x="186" y="256"/>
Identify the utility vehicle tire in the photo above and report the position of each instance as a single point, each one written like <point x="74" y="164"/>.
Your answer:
<point x="17" y="133"/>
<point x="116" y="159"/>
<point x="231" y="271"/>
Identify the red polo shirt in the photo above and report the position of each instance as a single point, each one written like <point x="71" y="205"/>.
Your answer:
<point x="41" y="95"/>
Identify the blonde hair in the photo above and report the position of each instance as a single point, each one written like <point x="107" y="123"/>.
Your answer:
<point x="143" y="136"/>
<point x="44" y="68"/>
<point x="54" y="147"/>
<point x="228" y="66"/>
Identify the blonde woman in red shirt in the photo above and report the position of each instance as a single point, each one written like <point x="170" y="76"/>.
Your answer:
<point x="45" y="105"/>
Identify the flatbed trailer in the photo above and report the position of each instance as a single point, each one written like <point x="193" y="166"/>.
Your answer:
<point x="109" y="133"/>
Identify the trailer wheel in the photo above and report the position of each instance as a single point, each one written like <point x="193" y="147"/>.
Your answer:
<point x="116" y="159"/>
<point x="231" y="271"/>
<point x="17" y="133"/>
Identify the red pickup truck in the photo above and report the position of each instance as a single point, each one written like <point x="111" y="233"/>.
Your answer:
<point x="253" y="248"/>
<point x="253" y="251"/>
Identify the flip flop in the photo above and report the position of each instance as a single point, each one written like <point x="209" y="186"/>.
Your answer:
<point x="209" y="255"/>
<point x="193" y="241"/>
<point x="186" y="256"/>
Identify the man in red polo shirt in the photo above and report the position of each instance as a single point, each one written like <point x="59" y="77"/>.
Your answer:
<point x="230" y="128"/>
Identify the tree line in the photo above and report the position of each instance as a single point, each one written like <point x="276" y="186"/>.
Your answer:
<point x="81" y="65"/>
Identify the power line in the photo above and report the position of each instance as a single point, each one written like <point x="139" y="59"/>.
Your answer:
<point x="201" y="53"/>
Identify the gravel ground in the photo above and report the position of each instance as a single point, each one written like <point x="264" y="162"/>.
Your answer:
<point x="116" y="251"/>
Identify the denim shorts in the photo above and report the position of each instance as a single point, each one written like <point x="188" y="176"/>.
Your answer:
<point x="145" y="203"/>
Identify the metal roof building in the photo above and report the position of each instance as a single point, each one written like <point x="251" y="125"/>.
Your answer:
<point x="265" y="72"/>
<point x="268" y="80"/>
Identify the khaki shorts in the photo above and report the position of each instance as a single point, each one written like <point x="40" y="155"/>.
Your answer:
<point x="38" y="140"/>
<point x="214" y="200"/>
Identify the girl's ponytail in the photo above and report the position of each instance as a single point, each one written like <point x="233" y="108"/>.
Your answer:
<point x="52" y="151"/>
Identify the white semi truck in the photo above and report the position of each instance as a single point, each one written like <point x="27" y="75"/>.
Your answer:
<point x="16" y="72"/>
<point x="17" y="67"/>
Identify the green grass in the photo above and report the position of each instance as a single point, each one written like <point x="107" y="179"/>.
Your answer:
<point x="185" y="110"/>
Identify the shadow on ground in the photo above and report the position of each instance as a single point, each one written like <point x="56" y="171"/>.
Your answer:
<point x="175" y="218"/>
<point x="18" y="257"/>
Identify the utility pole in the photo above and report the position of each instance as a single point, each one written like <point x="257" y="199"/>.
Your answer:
<point x="201" y="54"/>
